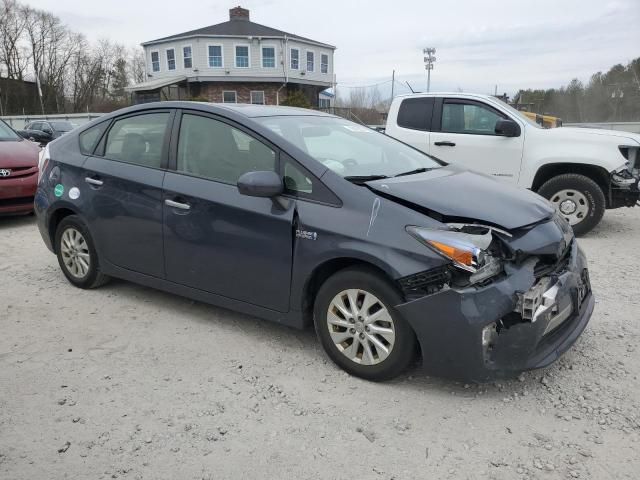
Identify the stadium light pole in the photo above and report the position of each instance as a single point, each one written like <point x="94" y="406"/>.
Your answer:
<point x="429" y="60"/>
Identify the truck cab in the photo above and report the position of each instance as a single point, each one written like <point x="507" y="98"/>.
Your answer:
<point x="581" y="171"/>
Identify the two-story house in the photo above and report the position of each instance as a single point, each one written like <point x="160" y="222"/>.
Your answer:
<point x="237" y="61"/>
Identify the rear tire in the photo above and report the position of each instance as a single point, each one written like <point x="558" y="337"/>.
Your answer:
<point x="577" y="198"/>
<point x="385" y="344"/>
<point x="77" y="255"/>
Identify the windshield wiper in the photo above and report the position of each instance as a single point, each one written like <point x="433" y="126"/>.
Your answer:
<point x="358" y="179"/>
<point x="411" y="172"/>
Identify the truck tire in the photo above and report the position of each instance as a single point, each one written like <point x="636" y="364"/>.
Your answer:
<point x="577" y="198"/>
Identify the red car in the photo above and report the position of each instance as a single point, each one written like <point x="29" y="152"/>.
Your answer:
<point x="18" y="172"/>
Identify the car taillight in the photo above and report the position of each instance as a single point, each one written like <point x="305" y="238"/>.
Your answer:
<point x="43" y="161"/>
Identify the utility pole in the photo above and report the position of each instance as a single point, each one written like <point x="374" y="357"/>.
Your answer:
<point x="393" y="82"/>
<point x="429" y="60"/>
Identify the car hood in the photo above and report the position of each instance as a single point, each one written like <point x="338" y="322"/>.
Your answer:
<point x="18" y="154"/>
<point x="461" y="194"/>
<point x="618" y="137"/>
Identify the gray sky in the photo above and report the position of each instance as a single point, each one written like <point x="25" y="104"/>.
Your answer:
<point x="527" y="43"/>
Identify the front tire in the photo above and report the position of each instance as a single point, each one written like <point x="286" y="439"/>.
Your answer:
<point x="577" y="198"/>
<point x="77" y="255"/>
<point x="359" y="328"/>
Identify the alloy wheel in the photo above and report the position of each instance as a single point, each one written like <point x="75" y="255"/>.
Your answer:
<point x="572" y="205"/>
<point x="75" y="253"/>
<point x="361" y="326"/>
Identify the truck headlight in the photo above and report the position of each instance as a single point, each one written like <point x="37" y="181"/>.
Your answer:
<point x="466" y="251"/>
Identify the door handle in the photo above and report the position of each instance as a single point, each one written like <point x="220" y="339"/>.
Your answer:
<point x="94" y="181"/>
<point x="446" y="143"/>
<point x="179" y="205"/>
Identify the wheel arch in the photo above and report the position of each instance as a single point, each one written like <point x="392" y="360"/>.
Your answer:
<point x="54" y="220"/>
<point x="327" y="269"/>
<point x="594" y="172"/>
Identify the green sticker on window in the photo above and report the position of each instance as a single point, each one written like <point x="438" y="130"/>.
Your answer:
<point x="59" y="190"/>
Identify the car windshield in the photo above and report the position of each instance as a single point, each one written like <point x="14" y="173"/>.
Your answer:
<point x="349" y="149"/>
<point x="62" y="126"/>
<point x="7" y="134"/>
<point x="517" y="113"/>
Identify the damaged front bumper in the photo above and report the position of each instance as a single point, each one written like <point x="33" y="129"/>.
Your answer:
<point x="516" y="323"/>
<point x="625" y="186"/>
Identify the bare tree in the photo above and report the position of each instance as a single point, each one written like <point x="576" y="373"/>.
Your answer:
<point x="52" y="47"/>
<point x="364" y="104"/>
<point x="137" y="65"/>
<point x="13" y="57"/>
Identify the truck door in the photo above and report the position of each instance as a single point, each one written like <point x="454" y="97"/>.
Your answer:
<point x="463" y="133"/>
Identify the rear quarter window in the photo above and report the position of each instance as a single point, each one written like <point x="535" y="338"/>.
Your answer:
<point x="89" y="138"/>
<point x="415" y="113"/>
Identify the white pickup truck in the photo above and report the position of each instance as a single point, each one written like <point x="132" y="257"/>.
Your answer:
<point x="582" y="171"/>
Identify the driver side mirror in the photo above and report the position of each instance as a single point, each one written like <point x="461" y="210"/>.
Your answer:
<point x="507" y="128"/>
<point x="260" y="184"/>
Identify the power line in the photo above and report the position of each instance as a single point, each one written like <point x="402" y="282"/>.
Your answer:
<point x="366" y="86"/>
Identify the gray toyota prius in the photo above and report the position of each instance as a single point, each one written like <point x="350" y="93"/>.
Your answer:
<point x="305" y="219"/>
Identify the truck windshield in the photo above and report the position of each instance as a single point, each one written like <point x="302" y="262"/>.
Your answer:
<point x="7" y="134"/>
<point x="349" y="149"/>
<point x="516" y="113"/>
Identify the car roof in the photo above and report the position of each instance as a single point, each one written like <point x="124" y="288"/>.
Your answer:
<point x="246" y="110"/>
<point x="445" y="94"/>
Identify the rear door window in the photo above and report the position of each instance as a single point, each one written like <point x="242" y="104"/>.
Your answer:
<point x="89" y="138"/>
<point x="138" y="139"/>
<point x="415" y="113"/>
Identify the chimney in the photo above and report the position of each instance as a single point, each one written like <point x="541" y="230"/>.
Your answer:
<point x="238" y="13"/>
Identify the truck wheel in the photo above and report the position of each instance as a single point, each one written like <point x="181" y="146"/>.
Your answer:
<point x="359" y="327"/>
<point x="577" y="198"/>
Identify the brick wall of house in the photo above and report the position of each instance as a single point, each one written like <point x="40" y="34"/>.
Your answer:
<point x="213" y="91"/>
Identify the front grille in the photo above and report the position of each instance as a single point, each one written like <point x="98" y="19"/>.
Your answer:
<point x="12" y="202"/>
<point x="19" y="172"/>
<point x="424" y="283"/>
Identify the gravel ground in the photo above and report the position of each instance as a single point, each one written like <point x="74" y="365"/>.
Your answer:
<point x="128" y="382"/>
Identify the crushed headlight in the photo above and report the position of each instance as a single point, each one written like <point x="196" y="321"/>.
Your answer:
<point x="467" y="251"/>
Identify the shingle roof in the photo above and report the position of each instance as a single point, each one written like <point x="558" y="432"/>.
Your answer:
<point x="240" y="28"/>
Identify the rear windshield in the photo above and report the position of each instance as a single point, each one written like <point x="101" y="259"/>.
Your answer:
<point x="62" y="126"/>
<point x="7" y="134"/>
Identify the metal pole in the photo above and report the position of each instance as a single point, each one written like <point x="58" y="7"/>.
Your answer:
<point x="393" y="82"/>
<point x="428" y="80"/>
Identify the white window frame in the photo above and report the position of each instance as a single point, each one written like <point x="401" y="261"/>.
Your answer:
<point x="306" y="61"/>
<point x="321" y="100"/>
<point x="221" y="54"/>
<point x="275" y="55"/>
<point x="325" y="65"/>
<point x="184" y="58"/>
<point x="235" y="54"/>
<point x="264" y="98"/>
<point x="166" y="56"/>
<point x="291" y="58"/>
<point x="235" y="94"/>
<point x="159" y="61"/>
